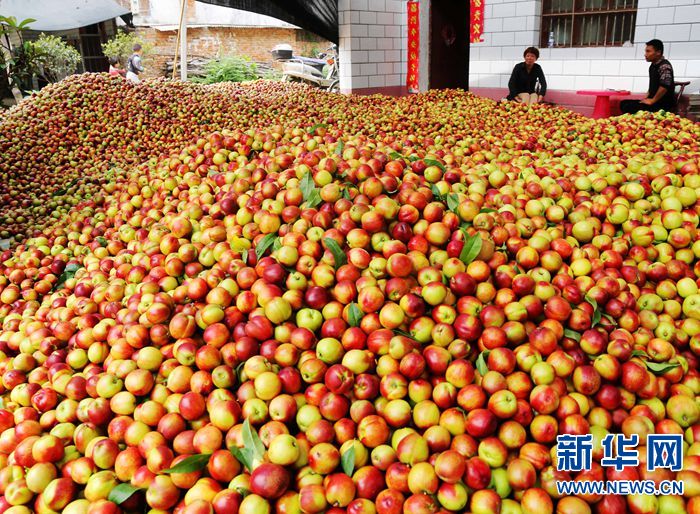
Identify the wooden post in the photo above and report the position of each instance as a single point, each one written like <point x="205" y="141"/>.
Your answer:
<point x="183" y="42"/>
<point x="179" y="34"/>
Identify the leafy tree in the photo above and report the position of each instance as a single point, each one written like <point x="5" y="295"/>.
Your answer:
<point x="16" y="58"/>
<point x="56" y="59"/>
<point x="122" y="44"/>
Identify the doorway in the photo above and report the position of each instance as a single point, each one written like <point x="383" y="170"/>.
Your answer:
<point x="449" y="44"/>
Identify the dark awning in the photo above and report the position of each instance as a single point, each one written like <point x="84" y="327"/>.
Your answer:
<point x="317" y="16"/>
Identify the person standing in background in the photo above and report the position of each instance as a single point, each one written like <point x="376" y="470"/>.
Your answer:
<point x="134" y="66"/>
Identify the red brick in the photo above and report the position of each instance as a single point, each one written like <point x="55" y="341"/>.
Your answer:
<point x="210" y="42"/>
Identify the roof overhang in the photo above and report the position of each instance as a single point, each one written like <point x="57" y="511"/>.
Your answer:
<point x="317" y="16"/>
<point x="55" y="15"/>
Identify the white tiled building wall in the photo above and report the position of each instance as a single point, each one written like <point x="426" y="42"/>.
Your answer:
<point x="372" y="43"/>
<point x="511" y="26"/>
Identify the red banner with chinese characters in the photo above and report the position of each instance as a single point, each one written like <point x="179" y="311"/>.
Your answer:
<point x="476" y="23"/>
<point x="413" y="41"/>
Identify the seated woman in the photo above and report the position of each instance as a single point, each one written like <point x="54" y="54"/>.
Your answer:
<point x="527" y="83"/>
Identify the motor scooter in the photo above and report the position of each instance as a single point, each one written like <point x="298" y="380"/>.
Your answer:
<point x="321" y="72"/>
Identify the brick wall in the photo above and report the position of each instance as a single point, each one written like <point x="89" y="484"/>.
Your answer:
<point x="211" y="42"/>
<point x="372" y="44"/>
<point x="511" y="26"/>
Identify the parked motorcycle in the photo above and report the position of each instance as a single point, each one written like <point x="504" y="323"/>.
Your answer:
<point x="321" y="72"/>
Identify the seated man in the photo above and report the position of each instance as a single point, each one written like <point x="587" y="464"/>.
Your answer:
<point x="527" y="83"/>
<point x="661" y="94"/>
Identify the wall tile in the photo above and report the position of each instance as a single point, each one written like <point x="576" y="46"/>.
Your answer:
<point x="640" y="84"/>
<point x="533" y="23"/>
<point x="682" y="50"/>
<point x="376" y="5"/>
<point x="490" y="53"/>
<point x="576" y="68"/>
<point x="395" y="5"/>
<point x="526" y="8"/>
<point x="588" y="82"/>
<point x="479" y="66"/>
<point x="594" y="54"/>
<point x="358" y="30"/>
<point x="514" y="54"/>
<point x="386" y="18"/>
<point x="376" y="81"/>
<point x="368" y="43"/>
<point x="692" y="68"/>
<point x="360" y="82"/>
<point x="368" y="69"/>
<point x="606" y="68"/>
<point x="385" y="68"/>
<point x="634" y="68"/>
<point x="552" y="68"/>
<point x="393" y="80"/>
<point x="679" y="68"/>
<point x="514" y="23"/>
<point x="392" y="55"/>
<point x="367" y="17"/>
<point x="500" y="68"/>
<point x="375" y="30"/>
<point x="377" y="56"/>
<point x="623" y="52"/>
<point x="490" y="80"/>
<point x="562" y="54"/>
<point x="673" y="32"/>
<point x="503" y="39"/>
<point x="504" y="10"/>
<point x="360" y="56"/>
<point x="525" y="38"/>
<point x="560" y="82"/>
<point x="661" y="15"/>
<point x="392" y="30"/>
<point x="623" y="83"/>
<point x="642" y="16"/>
<point x="358" y="5"/>
<point x="493" y="25"/>
<point x="385" y="43"/>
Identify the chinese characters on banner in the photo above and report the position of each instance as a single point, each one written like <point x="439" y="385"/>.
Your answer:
<point x="412" y="69"/>
<point x="476" y="24"/>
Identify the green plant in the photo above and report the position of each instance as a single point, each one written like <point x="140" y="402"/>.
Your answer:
<point x="122" y="44"/>
<point x="15" y="59"/>
<point x="55" y="57"/>
<point x="26" y="62"/>
<point x="230" y="69"/>
<point x="312" y="51"/>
